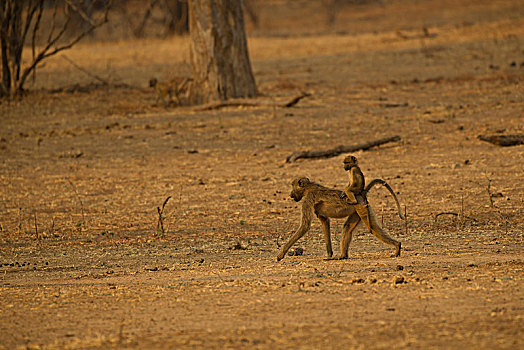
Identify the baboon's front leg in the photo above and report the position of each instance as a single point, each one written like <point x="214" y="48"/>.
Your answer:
<point x="327" y="235"/>
<point x="304" y="227"/>
<point x="347" y="234"/>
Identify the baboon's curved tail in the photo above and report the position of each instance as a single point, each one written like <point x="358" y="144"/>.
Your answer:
<point x="385" y="184"/>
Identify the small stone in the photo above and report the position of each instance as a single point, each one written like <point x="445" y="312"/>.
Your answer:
<point x="238" y="246"/>
<point x="399" y="280"/>
<point x="400" y="267"/>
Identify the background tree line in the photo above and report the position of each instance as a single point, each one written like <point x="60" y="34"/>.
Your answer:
<point x="33" y="30"/>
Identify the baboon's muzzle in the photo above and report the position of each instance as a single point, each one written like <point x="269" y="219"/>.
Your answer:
<point x="294" y="196"/>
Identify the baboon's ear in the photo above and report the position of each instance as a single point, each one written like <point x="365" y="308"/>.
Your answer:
<point x="303" y="181"/>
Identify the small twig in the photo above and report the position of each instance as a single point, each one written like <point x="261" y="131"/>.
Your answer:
<point x="461" y="214"/>
<point x="160" y="222"/>
<point x="462" y="205"/>
<point x="446" y="213"/>
<point x="19" y="227"/>
<point x="490" y="195"/>
<point x="295" y="100"/>
<point x="394" y="105"/>
<point x="36" y="226"/>
<point x="79" y="200"/>
<point x="52" y="228"/>
<point x="406" y="220"/>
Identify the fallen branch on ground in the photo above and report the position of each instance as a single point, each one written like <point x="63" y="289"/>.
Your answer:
<point x="503" y="140"/>
<point x="251" y="103"/>
<point x="339" y="149"/>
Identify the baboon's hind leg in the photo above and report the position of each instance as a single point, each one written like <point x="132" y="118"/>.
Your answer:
<point x="347" y="234"/>
<point x="327" y="235"/>
<point x="381" y="233"/>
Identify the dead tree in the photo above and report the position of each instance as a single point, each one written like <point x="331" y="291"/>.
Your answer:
<point x="218" y="51"/>
<point x="21" y="24"/>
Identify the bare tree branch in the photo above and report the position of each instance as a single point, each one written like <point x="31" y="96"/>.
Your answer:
<point x="20" y="19"/>
<point x="47" y="52"/>
<point x="94" y="76"/>
<point x="139" y="30"/>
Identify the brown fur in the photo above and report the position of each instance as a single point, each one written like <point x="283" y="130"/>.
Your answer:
<point x="356" y="183"/>
<point x="170" y="92"/>
<point x="327" y="203"/>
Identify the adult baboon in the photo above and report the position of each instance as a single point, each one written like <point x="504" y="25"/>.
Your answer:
<point x="327" y="203"/>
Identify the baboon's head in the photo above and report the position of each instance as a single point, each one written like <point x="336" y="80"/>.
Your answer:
<point x="152" y="82"/>
<point x="349" y="162"/>
<point x="298" y="188"/>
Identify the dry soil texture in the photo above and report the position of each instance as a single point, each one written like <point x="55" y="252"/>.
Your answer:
<point x="83" y="265"/>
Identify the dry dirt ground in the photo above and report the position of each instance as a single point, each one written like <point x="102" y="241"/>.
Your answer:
<point x="82" y="174"/>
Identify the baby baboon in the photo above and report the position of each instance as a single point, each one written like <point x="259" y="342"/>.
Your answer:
<point x="356" y="179"/>
<point x="356" y="193"/>
<point x="174" y="89"/>
<point x="327" y="203"/>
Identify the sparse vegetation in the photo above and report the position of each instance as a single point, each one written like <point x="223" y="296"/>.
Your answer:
<point x="92" y="255"/>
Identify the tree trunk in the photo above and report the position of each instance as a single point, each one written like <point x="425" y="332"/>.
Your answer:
<point x="11" y="44"/>
<point x="218" y="51"/>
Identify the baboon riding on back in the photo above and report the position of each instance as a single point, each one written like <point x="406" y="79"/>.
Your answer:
<point x="329" y="203"/>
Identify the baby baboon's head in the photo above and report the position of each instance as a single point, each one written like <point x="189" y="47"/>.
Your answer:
<point x="152" y="82"/>
<point x="298" y="188"/>
<point x="349" y="162"/>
